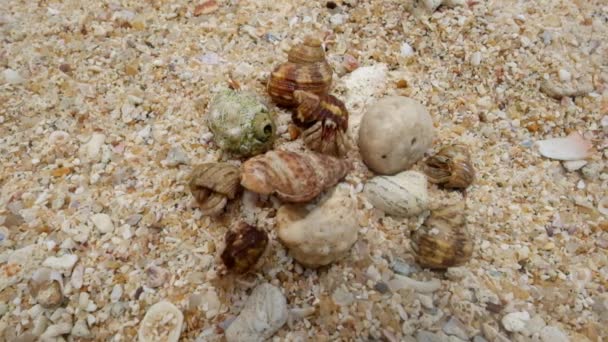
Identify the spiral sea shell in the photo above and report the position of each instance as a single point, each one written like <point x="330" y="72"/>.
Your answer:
<point x="244" y="246"/>
<point x="306" y="69"/>
<point x="241" y="124"/>
<point x="292" y="176"/>
<point x="213" y="184"/>
<point x="403" y="194"/>
<point x="443" y="240"/>
<point x="451" y="167"/>
<point x="325" y="119"/>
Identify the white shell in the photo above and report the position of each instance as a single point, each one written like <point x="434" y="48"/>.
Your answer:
<point x="163" y="322"/>
<point x="395" y="132"/>
<point x="404" y="194"/>
<point x="572" y="147"/>
<point x="264" y="313"/>
<point x="323" y="235"/>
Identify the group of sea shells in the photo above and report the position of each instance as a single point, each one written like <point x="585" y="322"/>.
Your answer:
<point x="394" y="134"/>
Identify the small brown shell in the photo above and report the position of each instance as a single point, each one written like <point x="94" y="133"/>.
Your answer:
<point x="213" y="184"/>
<point x="326" y="120"/>
<point x="306" y="69"/>
<point x="443" y="240"/>
<point x="292" y="176"/>
<point x="244" y="247"/>
<point x="451" y="167"/>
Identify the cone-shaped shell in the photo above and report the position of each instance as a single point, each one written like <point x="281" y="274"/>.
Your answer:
<point x="443" y="240"/>
<point x="213" y="184"/>
<point x="306" y="69"/>
<point x="326" y="120"/>
<point x="292" y="176"/>
<point x="310" y="51"/>
<point x="451" y="167"/>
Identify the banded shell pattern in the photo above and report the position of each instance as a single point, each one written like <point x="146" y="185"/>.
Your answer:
<point x="244" y="246"/>
<point x="443" y="240"/>
<point x="404" y="194"/>
<point x="306" y="69"/>
<point x="325" y="120"/>
<point x="292" y="176"/>
<point x="451" y="167"/>
<point x="213" y="184"/>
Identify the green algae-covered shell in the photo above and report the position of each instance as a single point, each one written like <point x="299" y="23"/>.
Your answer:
<point x="241" y="123"/>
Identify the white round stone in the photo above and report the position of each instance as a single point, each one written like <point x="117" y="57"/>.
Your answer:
<point x="103" y="223"/>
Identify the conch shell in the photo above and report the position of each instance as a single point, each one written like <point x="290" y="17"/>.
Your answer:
<point x="292" y="176"/>
<point x="443" y="240"/>
<point x="213" y="184"/>
<point x="325" y="119"/>
<point x="306" y="69"/>
<point x="451" y="167"/>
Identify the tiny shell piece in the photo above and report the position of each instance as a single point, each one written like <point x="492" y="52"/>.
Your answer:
<point x="325" y="120"/>
<point x="306" y="69"/>
<point x="404" y="194"/>
<point x="213" y="184"/>
<point x="572" y="147"/>
<point x="451" y="167"/>
<point x="244" y="247"/>
<point x="163" y="322"/>
<point x="264" y="313"/>
<point x="394" y="134"/>
<point x="241" y="124"/>
<point x="292" y="176"/>
<point x="443" y="240"/>
<point x="323" y="235"/>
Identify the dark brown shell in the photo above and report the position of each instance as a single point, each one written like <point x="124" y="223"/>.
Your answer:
<point x="213" y="184"/>
<point x="443" y="240"/>
<point x="306" y="69"/>
<point x="244" y="247"/>
<point x="451" y="167"/>
<point x="326" y="120"/>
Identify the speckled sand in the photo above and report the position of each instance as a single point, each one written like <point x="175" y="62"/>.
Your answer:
<point x="101" y="121"/>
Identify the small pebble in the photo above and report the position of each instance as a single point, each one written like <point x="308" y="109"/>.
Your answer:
<point x="163" y="322"/>
<point x="103" y="223"/>
<point x="81" y="329"/>
<point x="573" y="165"/>
<point x="116" y="293"/>
<point x="12" y="77"/>
<point x="564" y="75"/>
<point x="456" y="328"/>
<point x="381" y="287"/>
<point x="406" y="50"/>
<point x="553" y="334"/>
<point x="64" y="262"/>
<point x="515" y="321"/>
<point x="175" y="157"/>
<point x="337" y="19"/>
<point x="331" y="5"/>
<point x="476" y="58"/>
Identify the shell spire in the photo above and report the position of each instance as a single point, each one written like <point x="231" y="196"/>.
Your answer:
<point x="306" y="69"/>
<point x="292" y="176"/>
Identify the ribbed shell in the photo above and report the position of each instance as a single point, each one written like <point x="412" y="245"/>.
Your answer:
<point x="306" y="69"/>
<point x="443" y="240"/>
<point x="213" y="184"/>
<point x="292" y="176"/>
<point x="326" y="120"/>
<point x="244" y="247"/>
<point x="451" y="167"/>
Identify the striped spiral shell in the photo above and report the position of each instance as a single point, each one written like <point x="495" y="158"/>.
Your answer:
<point x="451" y="167"/>
<point x="213" y="184"/>
<point x="306" y="69"/>
<point x="292" y="176"/>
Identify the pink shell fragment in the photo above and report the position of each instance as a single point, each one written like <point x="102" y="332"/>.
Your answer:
<point x="572" y="147"/>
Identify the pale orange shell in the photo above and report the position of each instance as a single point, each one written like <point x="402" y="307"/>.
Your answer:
<point x="292" y="176"/>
